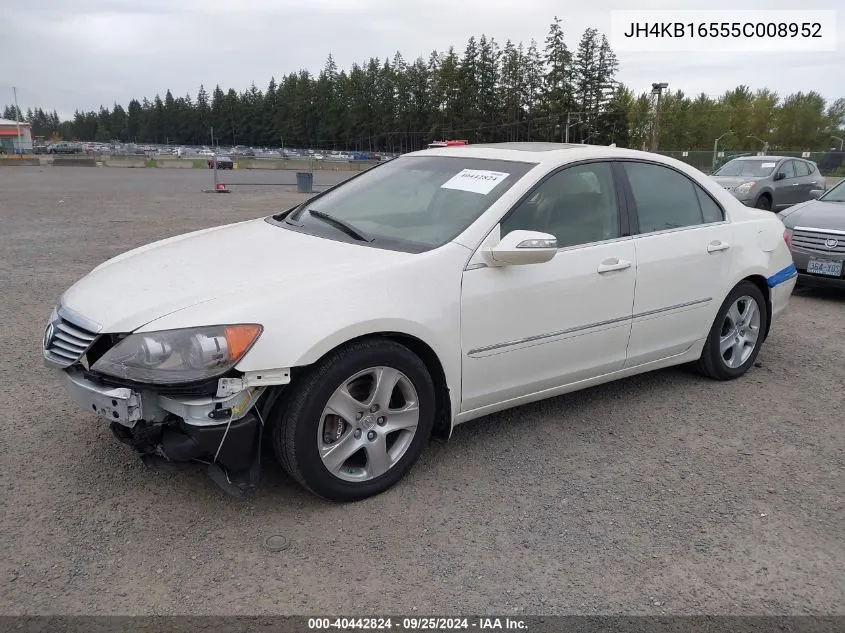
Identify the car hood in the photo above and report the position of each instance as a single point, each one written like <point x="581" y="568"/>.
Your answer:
<point x="817" y="214"/>
<point x="729" y="182"/>
<point x="132" y="289"/>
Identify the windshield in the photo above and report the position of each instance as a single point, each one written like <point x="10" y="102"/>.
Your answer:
<point x="751" y="168"/>
<point x="837" y="194"/>
<point x="412" y="203"/>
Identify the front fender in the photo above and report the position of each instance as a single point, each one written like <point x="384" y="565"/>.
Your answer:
<point x="305" y="320"/>
<point x="338" y="337"/>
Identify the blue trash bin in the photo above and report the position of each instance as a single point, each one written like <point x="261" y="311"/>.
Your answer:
<point x="304" y="181"/>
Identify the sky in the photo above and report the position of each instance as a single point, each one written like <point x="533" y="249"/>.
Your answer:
<point x="79" y="54"/>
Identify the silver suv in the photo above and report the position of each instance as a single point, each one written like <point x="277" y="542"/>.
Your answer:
<point x="770" y="182"/>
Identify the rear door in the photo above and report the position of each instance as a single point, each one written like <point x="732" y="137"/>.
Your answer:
<point x="786" y="190"/>
<point x="683" y="251"/>
<point x="805" y="181"/>
<point x="817" y="181"/>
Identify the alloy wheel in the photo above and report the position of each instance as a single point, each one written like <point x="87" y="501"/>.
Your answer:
<point x="740" y="331"/>
<point x="368" y="424"/>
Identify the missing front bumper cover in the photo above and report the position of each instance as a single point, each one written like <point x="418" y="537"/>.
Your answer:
<point x="162" y="427"/>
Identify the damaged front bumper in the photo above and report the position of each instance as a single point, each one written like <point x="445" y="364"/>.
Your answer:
<point x="221" y="431"/>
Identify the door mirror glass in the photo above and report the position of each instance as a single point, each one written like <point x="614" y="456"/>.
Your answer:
<point x="523" y="247"/>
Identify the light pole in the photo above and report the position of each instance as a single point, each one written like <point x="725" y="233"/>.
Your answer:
<point x="765" y="143"/>
<point x="657" y="89"/>
<point x="716" y="147"/>
<point x="841" y="141"/>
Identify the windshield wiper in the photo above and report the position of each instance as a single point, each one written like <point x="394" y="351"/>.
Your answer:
<point x="347" y="228"/>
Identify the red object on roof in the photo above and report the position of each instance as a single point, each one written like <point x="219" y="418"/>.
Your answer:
<point x="447" y="143"/>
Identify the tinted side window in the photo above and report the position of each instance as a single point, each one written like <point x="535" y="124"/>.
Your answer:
<point x="788" y="168"/>
<point x="801" y="168"/>
<point x="577" y="205"/>
<point x="710" y="211"/>
<point x="665" y="199"/>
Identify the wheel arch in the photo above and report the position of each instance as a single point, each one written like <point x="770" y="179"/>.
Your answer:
<point x="762" y="284"/>
<point x="443" y="417"/>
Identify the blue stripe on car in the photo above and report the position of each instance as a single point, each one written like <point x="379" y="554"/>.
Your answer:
<point x="784" y="275"/>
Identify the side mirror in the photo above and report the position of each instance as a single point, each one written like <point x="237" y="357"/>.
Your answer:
<point x="523" y="247"/>
<point x="816" y="193"/>
<point x="780" y="175"/>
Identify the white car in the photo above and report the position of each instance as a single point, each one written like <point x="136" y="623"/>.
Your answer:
<point x="430" y="290"/>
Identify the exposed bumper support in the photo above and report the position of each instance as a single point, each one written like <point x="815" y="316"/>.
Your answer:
<point x="120" y="405"/>
<point x="127" y="406"/>
<point x="224" y="432"/>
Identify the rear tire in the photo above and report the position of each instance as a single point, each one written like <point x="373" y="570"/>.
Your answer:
<point x="380" y="440"/>
<point x="736" y="335"/>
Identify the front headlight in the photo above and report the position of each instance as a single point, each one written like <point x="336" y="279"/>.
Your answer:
<point x="745" y="188"/>
<point x="178" y="356"/>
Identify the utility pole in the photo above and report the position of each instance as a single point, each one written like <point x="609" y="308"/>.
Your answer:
<point x="214" y="157"/>
<point x="17" y="119"/>
<point x="716" y="148"/>
<point x="569" y="125"/>
<point x="657" y="89"/>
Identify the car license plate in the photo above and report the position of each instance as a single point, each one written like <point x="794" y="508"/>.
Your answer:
<point x="825" y="267"/>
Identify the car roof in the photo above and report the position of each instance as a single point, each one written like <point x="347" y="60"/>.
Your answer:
<point x="769" y="158"/>
<point x="536" y="152"/>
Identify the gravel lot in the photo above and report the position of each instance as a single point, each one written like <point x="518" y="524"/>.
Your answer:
<point x="661" y="494"/>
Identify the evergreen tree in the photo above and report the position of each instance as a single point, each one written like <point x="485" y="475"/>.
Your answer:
<point x="585" y="74"/>
<point x="532" y="95"/>
<point x="558" y="96"/>
<point x="489" y="89"/>
<point x="512" y="89"/>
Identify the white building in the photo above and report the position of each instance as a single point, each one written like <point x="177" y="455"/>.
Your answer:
<point x="15" y="138"/>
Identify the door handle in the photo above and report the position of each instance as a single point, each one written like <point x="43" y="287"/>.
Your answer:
<point x="717" y="245"/>
<point x="795" y="184"/>
<point x="612" y="264"/>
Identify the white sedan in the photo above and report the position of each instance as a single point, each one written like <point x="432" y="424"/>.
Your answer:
<point x="433" y="289"/>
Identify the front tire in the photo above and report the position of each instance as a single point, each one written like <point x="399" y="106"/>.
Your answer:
<point x="764" y="202"/>
<point x="356" y="423"/>
<point x="736" y="335"/>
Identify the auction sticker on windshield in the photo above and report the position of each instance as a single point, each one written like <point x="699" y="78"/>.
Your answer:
<point x="767" y="165"/>
<point x="475" y="180"/>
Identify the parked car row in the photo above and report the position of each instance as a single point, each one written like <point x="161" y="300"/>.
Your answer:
<point x="187" y="151"/>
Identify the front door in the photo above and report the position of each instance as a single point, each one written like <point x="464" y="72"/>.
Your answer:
<point x="526" y="329"/>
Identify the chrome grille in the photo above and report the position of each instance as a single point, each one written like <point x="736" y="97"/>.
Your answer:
<point x="819" y="240"/>
<point x="66" y="339"/>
